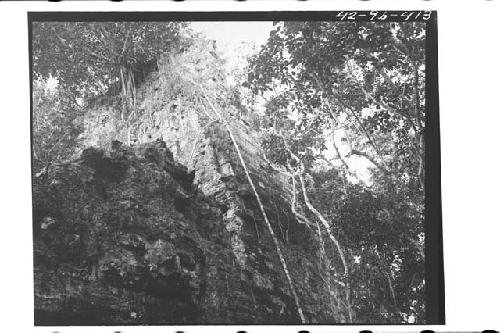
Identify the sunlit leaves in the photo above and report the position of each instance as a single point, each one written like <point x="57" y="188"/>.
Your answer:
<point x="56" y="126"/>
<point x="86" y="56"/>
<point x="367" y="79"/>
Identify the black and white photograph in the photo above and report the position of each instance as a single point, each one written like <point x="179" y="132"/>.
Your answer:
<point x="249" y="166"/>
<point x="268" y="171"/>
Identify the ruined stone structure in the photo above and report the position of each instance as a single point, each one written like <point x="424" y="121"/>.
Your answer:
<point x="168" y="231"/>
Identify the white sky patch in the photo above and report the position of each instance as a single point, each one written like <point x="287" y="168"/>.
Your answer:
<point x="358" y="164"/>
<point x="367" y="112"/>
<point x="235" y="40"/>
<point x="229" y="35"/>
<point x="51" y="83"/>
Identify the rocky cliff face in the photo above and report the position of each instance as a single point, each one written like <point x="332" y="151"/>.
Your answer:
<point x="169" y="231"/>
<point x="125" y="237"/>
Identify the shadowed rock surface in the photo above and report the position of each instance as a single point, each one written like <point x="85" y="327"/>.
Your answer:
<point x="129" y="236"/>
<point x="146" y="169"/>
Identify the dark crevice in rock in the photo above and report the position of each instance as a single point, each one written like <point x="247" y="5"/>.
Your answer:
<point x="133" y="237"/>
<point x="105" y="167"/>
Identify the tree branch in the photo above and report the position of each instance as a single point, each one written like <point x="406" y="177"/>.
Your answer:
<point x="330" y="235"/>
<point x="342" y="103"/>
<point x="365" y="155"/>
<point x="261" y="206"/>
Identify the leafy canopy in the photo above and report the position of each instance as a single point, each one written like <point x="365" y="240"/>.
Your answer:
<point x="86" y="57"/>
<point x="365" y="83"/>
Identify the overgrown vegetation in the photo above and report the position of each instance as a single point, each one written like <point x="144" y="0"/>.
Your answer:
<point x="344" y="121"/>
<point x="86" y="59"/>
<point x="337" y="92"/>
<point x="56" y="125"/>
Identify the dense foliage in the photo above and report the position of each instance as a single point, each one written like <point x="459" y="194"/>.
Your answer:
<point x="88" y="59"/>
<point x="337" y="92"/>
<point x="341" y="99"/>
<point x="56" y="125"/>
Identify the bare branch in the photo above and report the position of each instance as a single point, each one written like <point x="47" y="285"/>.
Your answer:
<point x="330" y="235"/>
<point x="322" y="219"/>
<point x="373" y="161"/>
<point x="261" y="206"/>
<point x="353" y="113"/>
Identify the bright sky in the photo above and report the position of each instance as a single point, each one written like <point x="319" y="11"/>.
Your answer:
<point x="235" y="40"/>
<point x="229" y="35"/>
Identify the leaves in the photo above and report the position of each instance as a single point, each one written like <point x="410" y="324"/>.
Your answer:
<point x="87" y="59"/>
<point x="365" y="80"/>
<point x="86" y="56"/>
<point x="56" y="126"/>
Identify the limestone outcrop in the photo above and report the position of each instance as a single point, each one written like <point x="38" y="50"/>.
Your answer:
<point x="167" y="230"/>
<point x="129" y="236"/>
